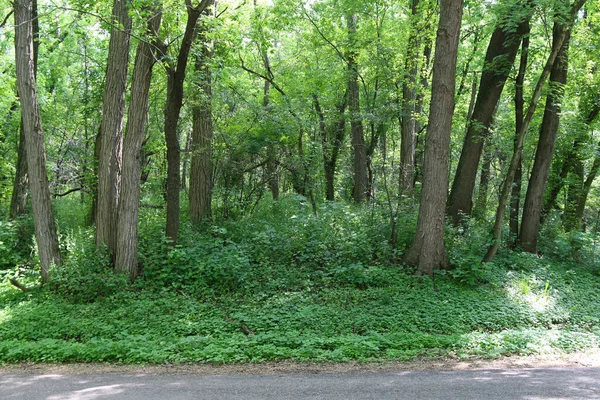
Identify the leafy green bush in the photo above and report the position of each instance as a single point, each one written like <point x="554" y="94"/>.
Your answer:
<point x="86" y="274"/>
<point x="200" y="262"/>
<point x="15" y="241"/>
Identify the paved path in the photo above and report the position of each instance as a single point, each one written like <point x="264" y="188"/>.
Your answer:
<point x="525" y="384"/>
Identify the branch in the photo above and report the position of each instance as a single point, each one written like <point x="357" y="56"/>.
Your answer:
<point x="329" y="42"/>
<point x="55" y="195"/>
<point x="266" y="78"/>
<point x="18" y="285"/>
<point x="6" y="18"/>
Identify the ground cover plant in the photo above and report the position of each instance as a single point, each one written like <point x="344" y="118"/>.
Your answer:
<point x="286" y="284"/>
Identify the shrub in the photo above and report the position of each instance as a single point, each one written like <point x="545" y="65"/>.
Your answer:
<point x="86" y="274"/>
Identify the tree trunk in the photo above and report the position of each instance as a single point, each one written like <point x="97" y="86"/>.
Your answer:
<point x="127" y="228"/>
<point x="569" y="161"/>
<point x="408" y="120"/>
<point x="331" y="142"/>
<point x="175" y="80"/>
<point x="18" y="202"/>
<point x="484" y="182"/>
<point x="427" y="252"/>
<point x="520" y="137"/>
<point x="43" y="216"/>
<point x="419" y="109"/>
<point x="359" y="168"/>
<point x="111" y="128"/>
<point x="201" y="173"/>
<point x="499" y="58"/>
<point x="545" y="147"/>
<point x="519" y="109"/>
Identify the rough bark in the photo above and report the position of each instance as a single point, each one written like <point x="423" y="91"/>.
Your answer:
<point x="515" y="196"/>
<point x="18" y="201"/>
<point x="111" y="128"/>
<point x="126" y="257"/>
<point x="201" y="172"/>
<point x="427" y="252"/>
<point x="499" y="58"/>
<point x="45" y="227"/>
<point x="174" y="102"/>
<point x="520" y="137"/>
<point x="545" y="148"/>
<point x="359" y="164"/>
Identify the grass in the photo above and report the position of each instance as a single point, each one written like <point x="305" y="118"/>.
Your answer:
<point x="273" y="287"/>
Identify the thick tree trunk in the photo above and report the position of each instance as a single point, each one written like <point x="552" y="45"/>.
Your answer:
<point x="427" y="252"/>
<point x="201" y="173"/>
<point x="359" y="165"/>
<point x="126" y="260"/>
<point x="45" y="227"/>
<point x="111" y="128"/>
<point x="520" y="137"/>
<point x="499" y="59"/>
<point x="18" y="201"/>
<point x="545" y="147"/>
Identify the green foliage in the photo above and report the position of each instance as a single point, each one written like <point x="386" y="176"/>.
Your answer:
<point x="15" y="242"/>
<point x="264" y="289"/>
<point x="198" y="264"/>
<point x="86" y="275"/>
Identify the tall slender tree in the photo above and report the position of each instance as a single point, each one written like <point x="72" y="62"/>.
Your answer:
<point x="359" y="168"/>
<point x="545" y="147"/>
<point x="499" y="58"/>
<point x="520" y="136"/>
<point x="201" y="173"/>
<point x="18" y="202"/>
<point x="175" y="79"/>
<point x="45" y="227"/>
<point x="126" y="250"/>
<point x="427" y="252"/>
<point x="111" y="127"/>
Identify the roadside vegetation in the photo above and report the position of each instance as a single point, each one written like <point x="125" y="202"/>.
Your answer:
<point x="284" y="284"/>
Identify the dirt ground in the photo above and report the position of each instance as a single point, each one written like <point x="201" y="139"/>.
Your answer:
<point x="577" y="360"/>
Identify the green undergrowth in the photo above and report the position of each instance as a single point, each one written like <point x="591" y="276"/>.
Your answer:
<point x="285" y="284"/>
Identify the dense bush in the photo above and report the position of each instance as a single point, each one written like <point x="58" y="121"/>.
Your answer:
<point x="86" y="274"/>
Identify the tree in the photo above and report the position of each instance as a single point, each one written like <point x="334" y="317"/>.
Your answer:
<point x="520" y="136"/>
<point x="18" y="200"/>
<point x="127" y="228"/>
<point x="359" y="168"/>
<point x="408" y="119"/>
<point x="175" y="85"/>
<point x="499" y="58"/>
<point x="545" y="147"/>
<point x="111" y="128"/>
<point x="427" y="252"/>
<point x="201" y="173"/>
<point x="45" y="227"/>
<point x="515" y="196"/>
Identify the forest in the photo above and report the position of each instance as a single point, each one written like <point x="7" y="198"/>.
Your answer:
<point x="323" y="180"/>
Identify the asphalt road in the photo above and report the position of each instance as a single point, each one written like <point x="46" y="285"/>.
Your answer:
<point x="526" y="384"/>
